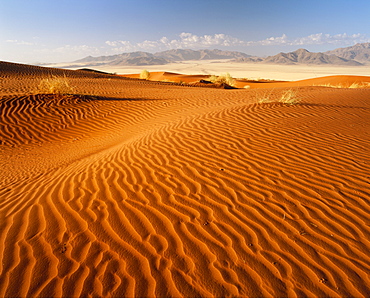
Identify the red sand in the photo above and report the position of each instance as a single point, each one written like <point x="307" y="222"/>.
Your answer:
<point x="139" y="188"/>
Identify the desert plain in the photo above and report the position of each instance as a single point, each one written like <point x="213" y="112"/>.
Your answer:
<point x="253" y="71"/>
<point x="173" y="187"/>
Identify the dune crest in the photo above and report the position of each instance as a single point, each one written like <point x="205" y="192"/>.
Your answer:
<point x="134" y="188"/>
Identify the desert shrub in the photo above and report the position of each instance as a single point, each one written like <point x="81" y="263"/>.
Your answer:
<point x="228" y="79"/>
<point x="55" y="85"/>
<point x="223" y="79"/>
<point x="145" y="75"/>
<point x="212" y="78"/>
<point x="264" y="97"/>
<point x="289" y="97"/>
<point x="355" y="85"/>
<point x="359" y="85"/>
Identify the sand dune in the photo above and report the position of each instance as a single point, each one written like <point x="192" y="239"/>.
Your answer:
<point x="236" y="69"/>
<point x="338" y="81"/>
<point x="135" y="188"/>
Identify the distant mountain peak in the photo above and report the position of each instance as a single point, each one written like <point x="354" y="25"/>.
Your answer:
<point x="302" y="50"/>
<point x="303" y="56"/>
<point x="352" y="56"/>
<point x="360" y="52"/>
<point x="160" y="58"/>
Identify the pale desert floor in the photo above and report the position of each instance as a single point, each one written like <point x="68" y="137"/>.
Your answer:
<point x="134" y="188"/>
<point x="238" y="70"/>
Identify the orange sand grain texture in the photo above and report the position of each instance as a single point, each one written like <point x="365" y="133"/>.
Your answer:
<point x="134" y="188"/>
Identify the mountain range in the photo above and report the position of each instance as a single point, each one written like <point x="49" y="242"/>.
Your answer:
<point x="359" y="52"/>
<point x="302" y="56"/>
<point x="356" y="55"/>
<point x="161" y="58"/>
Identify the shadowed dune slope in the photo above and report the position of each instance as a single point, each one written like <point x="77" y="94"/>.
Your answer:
<point x="146" y="189"/>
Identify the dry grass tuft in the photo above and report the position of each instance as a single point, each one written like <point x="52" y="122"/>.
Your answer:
<point x="212" y="78"/>
<point x="355" y="85"/>
<point x="223" y="79"/>
<point x="167" y="81"/>
<point x="289" y="97"/>
<point x="55" y="85"/>
<point x="265" y="97"/>
<point x="145" y="75"/>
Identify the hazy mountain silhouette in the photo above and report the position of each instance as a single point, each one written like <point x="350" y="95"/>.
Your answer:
<point x="144" y="58"/>
<point x="359" y="52"/>
<point x="352" y="56"/>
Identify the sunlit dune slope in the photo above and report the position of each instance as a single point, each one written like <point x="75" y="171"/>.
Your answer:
<point x="337" y="81"/>
<point x="134" y="188"/>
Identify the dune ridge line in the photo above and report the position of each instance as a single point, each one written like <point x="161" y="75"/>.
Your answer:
<point x="139" y="188"/>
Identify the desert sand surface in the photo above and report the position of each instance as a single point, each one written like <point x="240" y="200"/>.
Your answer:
<point x="237" y="70"/>
<point x="340" y="81"/>
<point x="135" y="188"/>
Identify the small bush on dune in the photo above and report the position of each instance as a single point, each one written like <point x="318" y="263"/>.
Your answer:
<point x="264" y="98"/>
<point x="212" y="78"/>
<point x="227" y="79"/>
<point x="360" y="85"/>
<point x="355" y="85"/>
<point x="289" y="97"/>
<point x="167" y="81"/>
<point x="145" y="75"/>
<point x="55" y="85"/>
<point x="223" y="79"/>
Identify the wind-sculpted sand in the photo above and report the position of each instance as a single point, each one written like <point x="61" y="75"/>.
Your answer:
<point x="133" y="188"/>
<point x="236" y="69"/>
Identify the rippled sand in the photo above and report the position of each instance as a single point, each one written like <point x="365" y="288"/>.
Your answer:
<point x="133" y="188"/>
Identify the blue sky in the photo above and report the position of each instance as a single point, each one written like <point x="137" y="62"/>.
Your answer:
<point x="65" y="30"/>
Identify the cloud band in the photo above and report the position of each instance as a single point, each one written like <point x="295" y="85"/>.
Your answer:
<point x="189" y="40"/>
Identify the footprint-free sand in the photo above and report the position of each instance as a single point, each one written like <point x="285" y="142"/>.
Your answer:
<point x="134" y="188"/>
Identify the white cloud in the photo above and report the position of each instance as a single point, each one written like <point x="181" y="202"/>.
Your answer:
<point x="189" y="40"/>
<point x="280" y="40"/>
<point x="192" y="40"/>
<point x="321" y="38"/>
<point x="148" y="45"/>
<point x="313" y="39"/>
<point x="20" y="42"/>
<point x="14" y="49"/>
<point x="185" y="40"/>
<point x="120" y="46"/>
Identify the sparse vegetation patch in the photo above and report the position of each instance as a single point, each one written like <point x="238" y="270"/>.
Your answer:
<point x="355" y="85"/>
<point x="55" y="85"/>
<point x="223" y="79"/>
<point x="265" y="97"/>
<point x="289" y="97"/>
<point x="145" y="75"/>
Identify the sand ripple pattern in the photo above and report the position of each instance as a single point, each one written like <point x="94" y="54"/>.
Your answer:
<point x="231" y="199"/>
